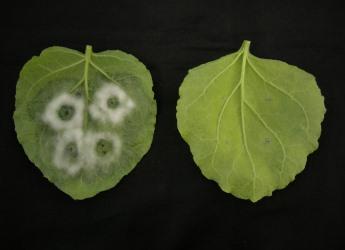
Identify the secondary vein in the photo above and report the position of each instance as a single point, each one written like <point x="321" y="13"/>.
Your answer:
<point x="219" y="120"/>
<point x="66" y="51"/>
<point x="52" y="73"/>
<point x="209" y="84"/>
<point x="282" y="91"/>
<point x="274" y="134"/>
<point x="115" y="57"/>
<point x="102" y="72"/>
<point x="77" y="85"/>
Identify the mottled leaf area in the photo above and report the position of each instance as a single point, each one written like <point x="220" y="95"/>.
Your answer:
<point x="250" y="122"/>
<point x="85" y="120"/>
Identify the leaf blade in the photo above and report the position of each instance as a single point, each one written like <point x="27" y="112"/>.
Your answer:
<point x="253" y="133"/>
<point x="64" y="73"/>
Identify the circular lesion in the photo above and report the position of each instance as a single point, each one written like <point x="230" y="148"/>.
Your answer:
<point x="110" y="104"/>
<point x="66" y="112"/>
<point x="68" y="153"/>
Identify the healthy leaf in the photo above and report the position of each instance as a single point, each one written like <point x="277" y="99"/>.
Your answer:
<point x="84" y="120"/>
<point x="250" y="122"/>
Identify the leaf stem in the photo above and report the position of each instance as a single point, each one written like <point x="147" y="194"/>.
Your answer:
<point x="245" y="47"/>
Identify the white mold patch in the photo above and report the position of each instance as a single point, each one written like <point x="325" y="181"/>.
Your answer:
<point x="76" y="150"/>
<point x="111" y="104"/>
<point x="101" y="148"/>
<point x="64" y="112"/>
<point x="68" y="155"/>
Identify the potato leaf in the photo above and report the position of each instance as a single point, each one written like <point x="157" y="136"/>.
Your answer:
<point x="250" y="122"/>
<point x="85" y="120"/>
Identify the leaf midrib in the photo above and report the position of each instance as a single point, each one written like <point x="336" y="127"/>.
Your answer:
<point x="245" y="48"/>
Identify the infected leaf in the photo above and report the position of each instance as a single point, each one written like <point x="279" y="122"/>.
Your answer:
<point x="84" y="120"/>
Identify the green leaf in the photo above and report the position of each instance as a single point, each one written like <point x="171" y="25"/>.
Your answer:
<point x="84" y="120"/>
<point x="250" y="122"/>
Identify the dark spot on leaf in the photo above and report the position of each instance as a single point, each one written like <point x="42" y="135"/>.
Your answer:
<point x="268" y="99"/>
<point x="78" y="93"/>
<point x="103" y="147"/>
<point x="267" y="140"/>
<point x="66" y="112"/>
<point x="113" y="102"/>
<point x="71" y="150"/>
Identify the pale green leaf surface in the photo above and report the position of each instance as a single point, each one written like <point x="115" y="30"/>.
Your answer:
<point x="111" y="145"/>
<point x="250" y="122"/>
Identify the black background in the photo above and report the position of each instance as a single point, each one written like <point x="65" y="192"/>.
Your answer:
<point x="165" y="202"/>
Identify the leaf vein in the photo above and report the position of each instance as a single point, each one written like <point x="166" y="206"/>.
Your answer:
<point x="284" y="92"/>
<point x="52" y="73"/>
<point x="103" y="72"/>
<point x="243" y="69"/>
<point x="44" y="67"/>
<point x="209" y="84"/>
<point x="115" y="57"/>
<point x="219" y="120"/>
<point x="274" y="134"/>
<point x="58" y="50"/>
<point x="233" y="166"/>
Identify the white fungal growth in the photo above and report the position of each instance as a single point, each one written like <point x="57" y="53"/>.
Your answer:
<point x="76" y="150"/>
<point x="101" y="148"/>
<point x="62" y="159"/>
<point x="101" y="110"/>
<point x="64" y="112"/>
